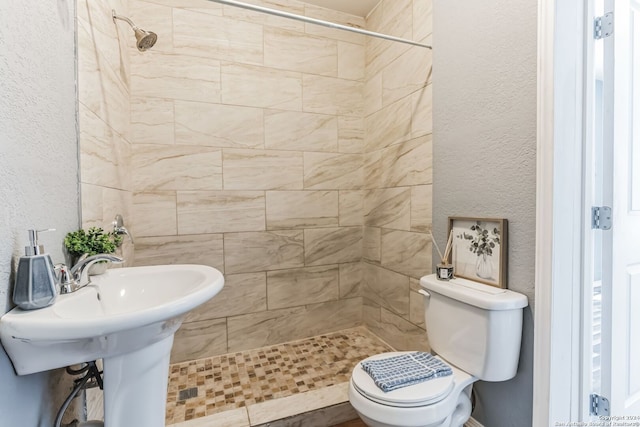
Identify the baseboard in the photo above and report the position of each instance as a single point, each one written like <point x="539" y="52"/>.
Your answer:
<point x="472" y="423"/>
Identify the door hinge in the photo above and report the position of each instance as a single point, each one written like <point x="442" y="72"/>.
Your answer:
<point x="601" y="217"/>
<point x="598" y="405"/>
<point x="603" y="26"/>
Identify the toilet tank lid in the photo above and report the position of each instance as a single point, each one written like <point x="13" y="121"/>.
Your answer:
<point x="475" y="293"/>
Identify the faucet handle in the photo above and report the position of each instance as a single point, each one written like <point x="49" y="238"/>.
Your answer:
<point x="119" y="228"/>
<point x="65" y="279"/>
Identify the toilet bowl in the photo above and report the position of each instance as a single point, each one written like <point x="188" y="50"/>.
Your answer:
<point x="475" y="329"/>
<point x="443" y="401"/>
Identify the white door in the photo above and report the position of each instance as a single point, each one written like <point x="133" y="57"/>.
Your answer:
<point x="621" y="244"/>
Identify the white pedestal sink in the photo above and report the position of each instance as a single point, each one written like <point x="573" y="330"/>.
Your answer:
<point x="127" y="317"/>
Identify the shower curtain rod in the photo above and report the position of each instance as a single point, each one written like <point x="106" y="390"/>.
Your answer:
<point x="318" y="22"/>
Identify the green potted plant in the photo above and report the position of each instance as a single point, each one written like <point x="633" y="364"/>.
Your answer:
<point x="91" y="242"/>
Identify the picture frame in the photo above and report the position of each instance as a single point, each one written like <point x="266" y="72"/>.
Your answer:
<point x="479" y="249"/>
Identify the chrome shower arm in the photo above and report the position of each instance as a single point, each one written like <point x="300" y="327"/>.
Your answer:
<point x="114" y="15"/>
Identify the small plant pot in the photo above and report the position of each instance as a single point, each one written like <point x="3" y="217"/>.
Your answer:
<point x="98" y="268"/>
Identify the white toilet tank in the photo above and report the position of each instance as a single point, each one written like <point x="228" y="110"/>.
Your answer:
<point x="473" y="326"/>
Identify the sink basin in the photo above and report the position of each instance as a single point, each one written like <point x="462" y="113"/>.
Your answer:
<point x="127" y="317"/>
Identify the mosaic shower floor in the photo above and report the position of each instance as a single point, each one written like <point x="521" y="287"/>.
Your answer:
<point x="260" y="386"/>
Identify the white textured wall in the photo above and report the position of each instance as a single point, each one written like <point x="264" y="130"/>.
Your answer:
<point x="484" y="112"/>
<point x="38" y="167"/>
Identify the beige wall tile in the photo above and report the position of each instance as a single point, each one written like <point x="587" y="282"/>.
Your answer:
<point x="329" y="95"/>
<point x="406" y="252"/>
<point x="401" y="334"/>
<point x="295" y="209"/>
<point x="334" y="316"/>
<point x="219" y="37"/>
<point x="408" y="163"/>
<point x="400" y="165"/>
<point x="153" y="17"/>
<point x="333" y="171"/>
<point x="104" y="154"/>
<point x="371" y="314"/>
<point x="422" y="107"/>
<point x="277" y="326"/>
<point x="295" y="51"/>
<point x="422" y="18"/>
<point x="406" y="74"/>
<point x="197" y="340"/>
<point x="414" y="284"/>
<point x="91" y="205"/>
<point x="217" y="125"/>
<point x="95" y="18"/>
<point x="302" y="286"/>
<point x="393" y="18"/>
<point x="154" y="214"/>
<point x="379" y="53"/>
<point x="390" y="125"/>
<point x="261" y="87"/>
<point x="195" y="5"/>
<point x="273" y="250"/>
<point x="371" y="244"/>
<point x="389" y="207"/>
<point x="241" y="294"/>
<point x="351" y="207"/>
<point x="337" y="17"/>
<point x="152" y="121"/>
<point x="205" y="249"/>
<point x="373" y="94"/>
<point x="291" y="6"/>
<point x="351" y="280"/>
<point x="192" y="78"/>
<point x="312" y="132"/>
<point x="386" y="288"/>
<point x="332" y="245"/>
<point x="372" y="170"/>
<point x="262" y="170"/>
<point x="101" y="89"/>
<point x="101" y="204"/>
<point x="265" y="328"/>
<point x="220" y="211"/>
<point x="421" y="208"/>
<point x="350" y="134"/>
<point x="176" y="167"/>
<point x="350" y="61"/>
<point x="416" y="309"/>
<point x="398" y="11"/>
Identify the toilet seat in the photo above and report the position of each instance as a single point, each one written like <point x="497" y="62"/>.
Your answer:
<point x="421" y="394"/>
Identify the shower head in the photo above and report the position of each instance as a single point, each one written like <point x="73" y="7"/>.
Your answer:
<point x="144" y="39"/>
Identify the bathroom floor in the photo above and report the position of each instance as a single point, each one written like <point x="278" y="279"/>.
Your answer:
<point x="260" y="386"/>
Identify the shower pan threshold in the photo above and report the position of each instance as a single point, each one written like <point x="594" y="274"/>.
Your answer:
<point x="297" y="383"/>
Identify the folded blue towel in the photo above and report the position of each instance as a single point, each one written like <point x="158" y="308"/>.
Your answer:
<point x="407" y="369"/>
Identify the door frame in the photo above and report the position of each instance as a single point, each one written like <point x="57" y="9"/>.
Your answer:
<point x="559" y="212"/>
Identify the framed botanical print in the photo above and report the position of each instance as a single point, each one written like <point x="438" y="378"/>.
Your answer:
<point x="479" y="249"/>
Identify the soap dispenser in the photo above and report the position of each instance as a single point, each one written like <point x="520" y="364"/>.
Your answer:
<point x="35" y="285"/>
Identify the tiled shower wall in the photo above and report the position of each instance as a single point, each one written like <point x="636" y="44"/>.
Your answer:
<point x="294" y="158"/>
<point x="247" y="136"/>
<point x="103" y="108"/>
<point x="398" y="173"/>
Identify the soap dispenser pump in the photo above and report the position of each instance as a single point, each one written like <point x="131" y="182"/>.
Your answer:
<point x="35" y="285"/>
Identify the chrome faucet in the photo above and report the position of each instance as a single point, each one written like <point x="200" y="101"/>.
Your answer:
<point x="78" y="276"/>
<point x="120" y="229"/>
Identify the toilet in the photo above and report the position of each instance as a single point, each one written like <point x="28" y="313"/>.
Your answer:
<point x="472" y="327"/>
